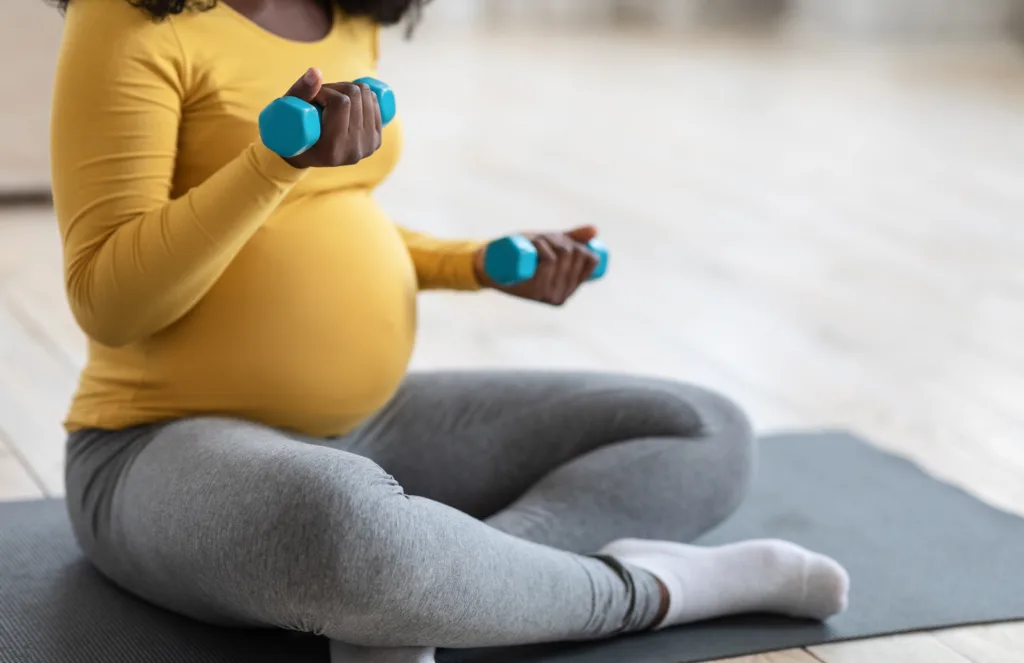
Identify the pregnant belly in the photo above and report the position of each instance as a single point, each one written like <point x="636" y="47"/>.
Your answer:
<point x="311" y="328"/>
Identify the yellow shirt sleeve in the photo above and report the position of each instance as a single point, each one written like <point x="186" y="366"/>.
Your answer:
<point x="136" y="261"/>
<point x="442" y="263"/>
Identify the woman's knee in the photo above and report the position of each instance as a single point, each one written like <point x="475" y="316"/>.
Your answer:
<point x="338" y="548"/>
<point x="286" y="527"/>
<point x="713" y="413"/>
<point x="727" y="428"/>
<point x="713" y="429"/>
<point x="670" y="407"/>
<point x="723" y="445"/>
<point x="719" y="414"/>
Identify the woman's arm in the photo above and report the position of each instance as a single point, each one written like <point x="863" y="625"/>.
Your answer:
<point x="134" y="260"/>
<point x="443" y="264"/>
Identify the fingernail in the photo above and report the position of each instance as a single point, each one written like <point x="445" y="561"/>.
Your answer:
<point x="311" y="76"/>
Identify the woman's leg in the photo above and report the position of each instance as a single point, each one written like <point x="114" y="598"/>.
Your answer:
<point x="238" y="524"/>
<point x="570" y="460"/>
<point x="585" y="462"/>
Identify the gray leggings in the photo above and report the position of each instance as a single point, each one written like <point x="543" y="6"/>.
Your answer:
<point x="464" y="514"/>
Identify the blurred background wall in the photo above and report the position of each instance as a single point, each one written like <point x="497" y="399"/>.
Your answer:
<point x="865" y="18"/>
<point x="30" y="33"/>
<point x="29" y="37"/>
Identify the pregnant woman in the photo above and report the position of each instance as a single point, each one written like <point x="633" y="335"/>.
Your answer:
<point x="245" y="446"/>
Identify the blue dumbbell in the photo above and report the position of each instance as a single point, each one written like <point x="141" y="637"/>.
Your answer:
<point x="511" y="260"/>
<point x="290" y="126"/>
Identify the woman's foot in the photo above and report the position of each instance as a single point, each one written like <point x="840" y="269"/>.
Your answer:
<point x="342" y="652"/>
<point x="753" y="576"/>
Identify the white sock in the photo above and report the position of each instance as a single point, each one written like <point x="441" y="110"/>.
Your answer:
<point x="753" y="576"/>
<point x="342" y="652"/>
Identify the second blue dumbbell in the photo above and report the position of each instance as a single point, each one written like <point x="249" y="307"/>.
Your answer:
<point x="511" y="260"/>
<point x="289" y="126"/>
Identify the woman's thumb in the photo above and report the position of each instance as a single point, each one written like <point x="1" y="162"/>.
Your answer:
<point x="307" y="87"/>
<point x="583" y="234"/>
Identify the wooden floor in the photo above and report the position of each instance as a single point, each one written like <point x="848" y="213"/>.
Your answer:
<point x="831" y="235"/>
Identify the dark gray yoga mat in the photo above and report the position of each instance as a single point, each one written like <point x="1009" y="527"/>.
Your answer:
<point x="921" y="554"/>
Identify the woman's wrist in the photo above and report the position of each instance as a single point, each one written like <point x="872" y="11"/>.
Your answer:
<point x="274" y="167"/>
<point x="294" y="163"/>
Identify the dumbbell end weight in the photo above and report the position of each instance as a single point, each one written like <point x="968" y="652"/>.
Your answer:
<point x="385" y="98"/>
<point x="289" y="126"/>
<point x="511" y="260"/>
<point x="599" y="248"/>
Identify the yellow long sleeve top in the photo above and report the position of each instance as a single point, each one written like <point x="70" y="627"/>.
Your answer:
<point x="210" y="276"/>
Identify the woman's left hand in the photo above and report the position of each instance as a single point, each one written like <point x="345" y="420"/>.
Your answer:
<point x="564" y="264"/>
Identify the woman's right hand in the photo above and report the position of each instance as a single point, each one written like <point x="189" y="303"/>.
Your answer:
<point x="351" y="127"/>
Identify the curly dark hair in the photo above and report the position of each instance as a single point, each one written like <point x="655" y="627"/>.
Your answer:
<point x="384" y="12"/>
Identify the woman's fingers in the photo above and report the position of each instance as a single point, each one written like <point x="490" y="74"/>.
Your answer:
<point x="564" y="264"/>
<point x="371" y="114"/>
<point x="335" y="147"/>
<point x="351" y="126"/>
<point x="307" y="87"/>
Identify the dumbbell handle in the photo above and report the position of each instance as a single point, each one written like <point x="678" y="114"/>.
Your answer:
<point x="289" y="126"/>
<point x="513" y="259"/>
